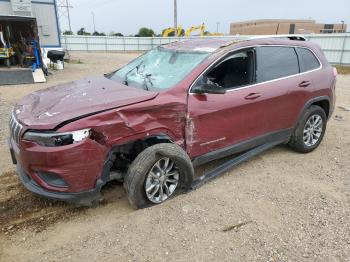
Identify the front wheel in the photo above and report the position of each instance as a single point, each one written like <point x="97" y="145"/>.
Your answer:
<point x="157" y="174"/>
<point x="310" y="130"/>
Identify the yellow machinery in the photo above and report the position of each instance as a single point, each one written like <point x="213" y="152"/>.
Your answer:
<point x="194" y="28"/>
<point x="214" y="34"/>
<point x="168" y="31"/>
<point x="201" y="29"/>
<point x="5" y="52"/>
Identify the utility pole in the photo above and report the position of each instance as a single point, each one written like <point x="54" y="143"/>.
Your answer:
<point x="175" y="17"/>
<point x="64" y="7"/>
<point x="67" y="6"/>
<point x="93" y="21"/>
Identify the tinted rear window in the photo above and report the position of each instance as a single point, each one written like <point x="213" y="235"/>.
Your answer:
<point x="276" y="62"/>
<point x="307" y="59"/>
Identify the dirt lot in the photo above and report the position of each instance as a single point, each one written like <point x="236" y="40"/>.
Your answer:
<point x="280" y="206"/>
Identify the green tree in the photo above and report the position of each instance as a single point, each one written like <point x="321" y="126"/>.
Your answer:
<point x="116" y="34"/>
<point x="67" y="32"/>
<point x="83" y="32"/>
<point x="145" y="32"/>
<point x="98" y="34"/>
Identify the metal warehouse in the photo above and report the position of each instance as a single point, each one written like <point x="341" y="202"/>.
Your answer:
<point x="45" y="13"/>
<point x="29" y="33"/>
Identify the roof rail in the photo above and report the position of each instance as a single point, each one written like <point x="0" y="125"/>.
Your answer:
<point x="290" y="37"/>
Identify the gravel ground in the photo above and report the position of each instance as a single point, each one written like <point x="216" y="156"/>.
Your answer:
<point x="279" y="206"/>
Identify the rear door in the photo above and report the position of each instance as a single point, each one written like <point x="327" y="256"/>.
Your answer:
<point x="311" y="78"/>
<point x="278" y="75"/>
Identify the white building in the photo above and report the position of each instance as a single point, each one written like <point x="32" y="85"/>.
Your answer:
<point x="43" y="11"/>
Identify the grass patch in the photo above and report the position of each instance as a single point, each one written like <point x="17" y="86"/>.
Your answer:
<point x="344" y="70"/>
<point x="73" y="61"/>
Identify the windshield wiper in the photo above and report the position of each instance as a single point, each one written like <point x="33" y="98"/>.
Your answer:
<point x="130" y="71"/>
<point x="147" y="77"/>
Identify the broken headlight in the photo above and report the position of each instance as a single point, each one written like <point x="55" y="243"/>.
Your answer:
<point x="57" y="139"/>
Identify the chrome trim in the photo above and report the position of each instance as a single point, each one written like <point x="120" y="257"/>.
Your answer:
<point x="256" y="84"/>
<point x="15" y="128"/>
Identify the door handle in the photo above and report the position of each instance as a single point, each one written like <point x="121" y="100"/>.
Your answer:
<point x="253" y="96"/>
<point x="305" y="84"/>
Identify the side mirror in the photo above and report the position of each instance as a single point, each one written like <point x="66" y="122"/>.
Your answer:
<point x="208" y="87"/>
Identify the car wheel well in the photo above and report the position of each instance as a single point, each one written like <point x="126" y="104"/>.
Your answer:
<point x="324" y="104"/>
<point x="122" y="156"/>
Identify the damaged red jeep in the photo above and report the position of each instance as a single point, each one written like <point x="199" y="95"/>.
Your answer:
<point x="177" y="106"/>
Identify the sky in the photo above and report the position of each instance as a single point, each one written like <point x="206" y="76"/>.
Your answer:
<point x="127" y="16"/>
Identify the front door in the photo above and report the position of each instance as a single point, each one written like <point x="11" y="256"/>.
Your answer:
<point x="216" y="121"/>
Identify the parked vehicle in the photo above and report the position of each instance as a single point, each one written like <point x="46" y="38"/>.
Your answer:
<point x="178" y="106"/>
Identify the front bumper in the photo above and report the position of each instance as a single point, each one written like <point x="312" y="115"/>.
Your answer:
<point x="84" y="179"/>
<point x="81" y="198"/>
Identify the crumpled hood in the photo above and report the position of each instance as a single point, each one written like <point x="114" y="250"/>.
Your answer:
<point x="45" y="109"/>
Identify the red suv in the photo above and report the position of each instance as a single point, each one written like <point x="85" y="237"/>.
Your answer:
<point x="177" y="106"/>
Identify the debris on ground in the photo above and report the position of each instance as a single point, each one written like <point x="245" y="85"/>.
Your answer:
<point x="344" y="108"/>
<point x="236" y="227"/>
<point x="339" y="118"/>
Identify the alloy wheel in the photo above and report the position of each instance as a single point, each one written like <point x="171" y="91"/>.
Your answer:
<point x="312" y="130"/>
<point x="162" y="180"/>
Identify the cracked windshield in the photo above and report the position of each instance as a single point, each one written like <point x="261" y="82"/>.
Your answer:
<point x="159" y="69"/>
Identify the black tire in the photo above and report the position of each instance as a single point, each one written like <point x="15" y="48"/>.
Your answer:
<point x="134" y="181"/>
<point x="297" y="140"/>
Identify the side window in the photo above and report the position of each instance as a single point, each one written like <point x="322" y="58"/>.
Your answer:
<point x="307" y="60"/>
<point x="276" y="62"/>
<point x="234" y="71"/>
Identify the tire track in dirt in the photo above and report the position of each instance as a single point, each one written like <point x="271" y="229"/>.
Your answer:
<point x="21" y="209"/>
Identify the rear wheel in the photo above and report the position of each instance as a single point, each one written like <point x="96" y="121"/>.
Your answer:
<point x="157" y="174"/>
<point x="310" y="130"/>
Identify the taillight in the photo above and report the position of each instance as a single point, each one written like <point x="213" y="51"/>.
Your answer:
<point x="335" y="71"/>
